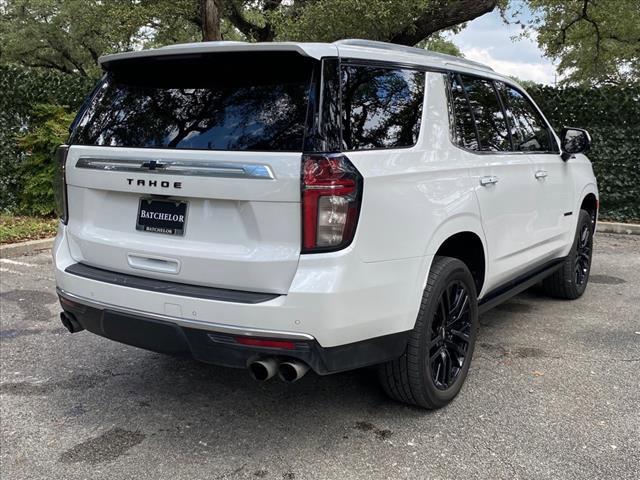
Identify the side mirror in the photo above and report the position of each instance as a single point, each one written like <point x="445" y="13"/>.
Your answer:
<point x="574" y="140"/>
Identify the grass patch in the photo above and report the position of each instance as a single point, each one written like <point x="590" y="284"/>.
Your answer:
<point x="19" y="229"/>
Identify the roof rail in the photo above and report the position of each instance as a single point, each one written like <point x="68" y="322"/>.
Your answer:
<point x="450" y="59"/>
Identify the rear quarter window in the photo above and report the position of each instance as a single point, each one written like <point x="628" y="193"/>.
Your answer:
<point x="381" y="107"/>
<point x="491" y="124"/>
<point x="462" y="122"/>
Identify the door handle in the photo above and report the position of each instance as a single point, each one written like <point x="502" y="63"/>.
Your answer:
<point x="490" y="180"/>
<point x="541" y="174"/>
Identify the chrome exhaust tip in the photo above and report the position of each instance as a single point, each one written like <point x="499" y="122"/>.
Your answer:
<point x="263" y="369"/>
<point x="292" y="370"/>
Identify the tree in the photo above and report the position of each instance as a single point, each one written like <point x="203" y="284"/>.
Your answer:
<point x="406" y="22"/>
<point x="594" y="41"/>
<point x="65" y="36"/>
<point x="438" y="43"/>
<point x="48" y="130"/>
<point x="70" y="35"/>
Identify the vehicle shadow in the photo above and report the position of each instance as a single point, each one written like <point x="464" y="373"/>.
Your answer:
<point x="190" y="405"/>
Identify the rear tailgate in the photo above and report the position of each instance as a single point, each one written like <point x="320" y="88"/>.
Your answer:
<point x="213" y="146"/>
<point x="239" y="233"/>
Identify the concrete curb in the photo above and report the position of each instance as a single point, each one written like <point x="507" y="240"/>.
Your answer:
<point x="25" y="248"/>
<point x="624" y="228"/>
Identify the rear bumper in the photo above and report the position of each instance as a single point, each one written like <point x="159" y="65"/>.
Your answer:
<point x="217" y="344"/>
<point x="336" y="303"/>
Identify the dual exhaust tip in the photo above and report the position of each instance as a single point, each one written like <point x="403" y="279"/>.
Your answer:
<point x="288" y="371"/>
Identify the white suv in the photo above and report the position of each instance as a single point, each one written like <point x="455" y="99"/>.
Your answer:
<point x="287" y="206"/>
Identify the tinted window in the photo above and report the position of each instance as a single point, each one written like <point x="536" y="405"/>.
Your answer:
<point x="381" y="107"/>
<point x="464" y="131"/>
<point x="528" y="130"/>
<point x="215" y="102"/>
<point x="487" y="113"/>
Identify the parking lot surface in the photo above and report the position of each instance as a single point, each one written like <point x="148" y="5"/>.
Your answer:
<point x="553" y="392"/>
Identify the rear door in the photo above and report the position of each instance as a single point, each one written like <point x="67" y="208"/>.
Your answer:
<point x="188" y="169"/>
<point x="503" y="180"/>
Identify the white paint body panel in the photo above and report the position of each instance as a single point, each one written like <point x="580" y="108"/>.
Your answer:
<point x="245" y="233"/>
<point x="241" y="234"/>
<point x="336" y="298"/>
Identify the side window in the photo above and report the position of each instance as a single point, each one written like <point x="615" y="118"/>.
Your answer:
<point x="463" y="124"/>
<point x="528" y="129"/>
<point x="381" y="107"/>
<point x="487" y="112"/>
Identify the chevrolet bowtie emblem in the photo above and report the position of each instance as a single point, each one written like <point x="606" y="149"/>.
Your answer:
<point x="153" y="165"/>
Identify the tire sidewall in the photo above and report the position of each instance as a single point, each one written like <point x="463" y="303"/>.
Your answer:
<point x="456" y="270"/>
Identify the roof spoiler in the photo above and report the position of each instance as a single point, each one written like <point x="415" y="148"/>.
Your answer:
<point x="312" y="50"/>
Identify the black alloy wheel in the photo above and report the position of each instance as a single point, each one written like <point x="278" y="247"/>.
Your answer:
<point x="571" y="279"/>
<point x="450" y="335"/>
<point x="583" y="254"/>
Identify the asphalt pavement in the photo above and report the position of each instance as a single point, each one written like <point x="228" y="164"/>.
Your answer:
<point x="553" y="393"/>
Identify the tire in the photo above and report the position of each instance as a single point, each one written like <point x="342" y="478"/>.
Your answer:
<point x="418" y="376"/>
<point x="570" y="281"/>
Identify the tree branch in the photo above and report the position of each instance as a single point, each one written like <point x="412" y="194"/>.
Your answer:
<point x="595" y="26"/>
<point x="583" y="16"/>
<point x="64" y="52"/>
<point x="94" y="54"/>
<point x="443" y="16"/>
<point x="46" y="63"/>
<point x="250" y="29"/>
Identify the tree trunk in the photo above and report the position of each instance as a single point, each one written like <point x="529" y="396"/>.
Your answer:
<point x="210" y="13"/>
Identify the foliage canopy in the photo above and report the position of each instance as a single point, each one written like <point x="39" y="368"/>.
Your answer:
<point x="70" y="35"/>
<point x="594" y="41"/>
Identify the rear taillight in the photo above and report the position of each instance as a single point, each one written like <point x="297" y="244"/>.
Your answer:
<point x="60" y="182"/>
<point x="331" y="194"/>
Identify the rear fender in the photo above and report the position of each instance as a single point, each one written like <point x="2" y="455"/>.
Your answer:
<point x="466" y="222"/>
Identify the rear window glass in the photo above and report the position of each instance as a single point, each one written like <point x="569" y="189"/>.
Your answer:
<point x="211" y="102"/>
<point x="381" y="107"/>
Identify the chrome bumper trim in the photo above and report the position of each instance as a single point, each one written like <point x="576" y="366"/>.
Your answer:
<point x="183" y="322"/>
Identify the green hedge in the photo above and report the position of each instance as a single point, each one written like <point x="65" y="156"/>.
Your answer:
<point x="21" y="91"/>
<point x="611" y="114"/>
